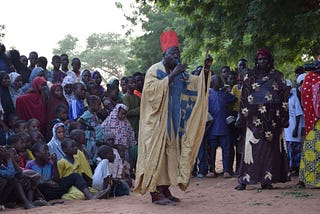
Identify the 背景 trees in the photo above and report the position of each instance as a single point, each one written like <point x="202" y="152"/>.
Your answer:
<point x="103" y="51"/>
<point x="235" y="29"/>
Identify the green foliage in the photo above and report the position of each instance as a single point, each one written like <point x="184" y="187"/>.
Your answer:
<point x="104" y="51"/>
<point x="107" y="52"/>
<point x="146" y="49"/>
<point x="235" y="29"/>
<point x="67" y="45"/>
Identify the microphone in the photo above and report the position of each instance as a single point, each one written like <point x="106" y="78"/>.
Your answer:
<point x="183" y="73"/>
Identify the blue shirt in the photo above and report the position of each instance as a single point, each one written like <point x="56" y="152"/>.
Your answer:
<point x="218" y="102"/>
<point x="7" y="171"/>
<point x="76" y="109"/>
<point x="45" y="171"/>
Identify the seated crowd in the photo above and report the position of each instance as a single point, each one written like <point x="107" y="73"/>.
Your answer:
<point x="62" y="133"/>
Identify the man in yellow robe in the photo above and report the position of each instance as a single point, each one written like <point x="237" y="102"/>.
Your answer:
<point x="173" y="114"/>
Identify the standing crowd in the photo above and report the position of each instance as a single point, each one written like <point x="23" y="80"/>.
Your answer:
<point x="63" y="134"/>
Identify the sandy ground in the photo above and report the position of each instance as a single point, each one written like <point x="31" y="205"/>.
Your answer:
<point x="207" y="195"/>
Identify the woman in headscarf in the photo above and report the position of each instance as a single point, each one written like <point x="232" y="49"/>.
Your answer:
<point x="67" y="88"/>
<point x="264" y="113"/>
<point x="55" y="98"/>
<point x="15" y="86"/>
<point x="6" y="100"/>
<point x="33" y="104"/>
<point x="118" y="124"/>
<point x="36" y="72"/>
<point x="54" y="145"/>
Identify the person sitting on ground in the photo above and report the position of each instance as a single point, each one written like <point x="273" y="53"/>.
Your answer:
<point x="17" y="143"/>
<point x="50" y="185"/>
<point x="9" y="169"/>
<point x="79" y="137"/>
<point x="100" y="178"/>
<point x="74" y="162"/>
<point x="118" y="124"/>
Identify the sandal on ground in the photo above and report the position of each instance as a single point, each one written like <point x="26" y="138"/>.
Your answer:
<point x="240" y="187"/>
<point x="211" y="175"/>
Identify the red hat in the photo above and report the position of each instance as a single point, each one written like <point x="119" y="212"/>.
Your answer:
<point x="168" y="39"/>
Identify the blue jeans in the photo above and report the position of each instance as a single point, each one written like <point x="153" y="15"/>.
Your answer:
<point x="224" y="142"/>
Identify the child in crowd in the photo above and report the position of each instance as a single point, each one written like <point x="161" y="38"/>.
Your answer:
<point x="20" y="126"/>
<point x="49" y="184"/>
<point x="231" y="80"/>
<point x="96" y="76"/>
<point x="121" y="128"/>
<point x="61" y="116"/>
<point x="18" y="144"/>
<point x="59" y="134"/>
<point x="100" y="179"/>
<point x="58" y="75"/>
<point x="28" y="144"/>
<point x="15" y="86"/>
<point x="12" y="119"/>
<point x="132" y="101"/>
<point x="116" y="167"/>
<point x="79" y="137"/>
<point x="92" y="126"/>
<point x="92" y="89"/>
<point x="74" y="161"/>
<point x="85" y="76"/>
<point x="36" y="137"/>
<point x="119" y="187"/>
<point x="33" y="124"/>
<point x="67" y="88"/>
<point x="76" y="108"/>
<point x="126" y="172"/>
<point x="9" y="168"/>
<point x="218" y="133"/>
<point x="75" y="72"/>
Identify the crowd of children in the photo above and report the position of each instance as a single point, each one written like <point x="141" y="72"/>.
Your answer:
<point x="63" y="134"/>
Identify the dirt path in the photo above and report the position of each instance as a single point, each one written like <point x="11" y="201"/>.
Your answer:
<point x="207" y="195"/>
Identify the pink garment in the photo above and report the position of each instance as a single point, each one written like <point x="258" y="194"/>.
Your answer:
<point x="124" y="134"/>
